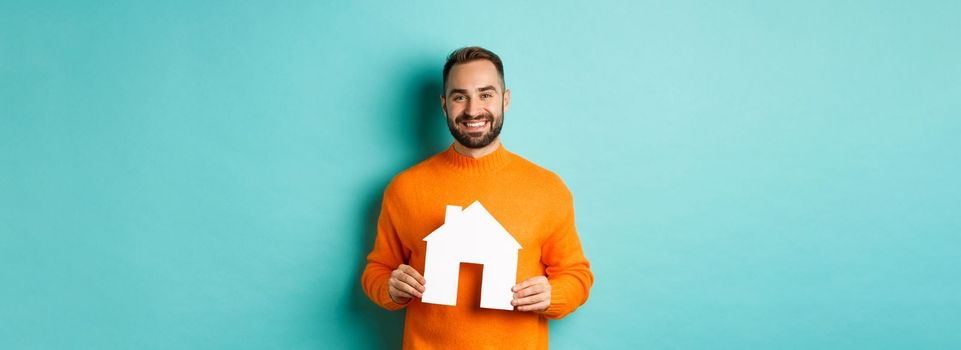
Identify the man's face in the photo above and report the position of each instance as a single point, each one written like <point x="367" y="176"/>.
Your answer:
<point x="475" y="102"/>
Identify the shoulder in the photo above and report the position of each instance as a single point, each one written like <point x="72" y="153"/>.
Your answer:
<point x="541" y="178"/>
<point x="414" y="177"/>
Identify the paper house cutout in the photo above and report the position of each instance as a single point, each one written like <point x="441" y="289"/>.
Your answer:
<point x="470" y="235"/>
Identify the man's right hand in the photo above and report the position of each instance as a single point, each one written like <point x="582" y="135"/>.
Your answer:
<point x="405" y="283"/>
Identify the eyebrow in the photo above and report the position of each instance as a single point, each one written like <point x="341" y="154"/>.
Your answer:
<point x="464" y="91"/>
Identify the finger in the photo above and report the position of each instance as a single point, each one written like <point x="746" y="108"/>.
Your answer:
<point x="402" y="276"/>
<point x="540" y="287"/>
<point x="399" y="294"/>
<point x="409" y="280"/>
<point x="534" y="289"/>
<point x="521" y="285"/>
<point x="397" y="280"/>
<point x="528" y="282"/>
<point x="531" y="299"/>
<point x="535" y="307"/>
<point x="404" y="287"/>
<point x="534" y="299"/>
<point x="413" y="272"/>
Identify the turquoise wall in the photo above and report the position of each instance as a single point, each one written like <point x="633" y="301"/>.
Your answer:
<point x="747" y="175"/>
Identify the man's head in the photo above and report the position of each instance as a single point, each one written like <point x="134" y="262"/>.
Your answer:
<point x="475" y="96"/>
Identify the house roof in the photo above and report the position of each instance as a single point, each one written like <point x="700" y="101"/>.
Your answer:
<point x="472" y="224"/>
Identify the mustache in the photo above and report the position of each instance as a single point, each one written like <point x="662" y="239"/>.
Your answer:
<point x="464" y="118"/>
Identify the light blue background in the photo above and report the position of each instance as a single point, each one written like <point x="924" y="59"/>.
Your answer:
<point x="747" y="175"/>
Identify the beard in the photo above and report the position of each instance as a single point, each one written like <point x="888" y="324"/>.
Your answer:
<point x="475" y="140"/>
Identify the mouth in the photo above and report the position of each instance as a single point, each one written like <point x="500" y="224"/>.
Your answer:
<point x="475" y="126"/>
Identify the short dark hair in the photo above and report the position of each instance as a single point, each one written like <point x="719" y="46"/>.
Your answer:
<point x="470" y="54"/>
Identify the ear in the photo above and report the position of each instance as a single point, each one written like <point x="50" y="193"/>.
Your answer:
<point x="443" y="105"/>
<point x="507" y="100"/>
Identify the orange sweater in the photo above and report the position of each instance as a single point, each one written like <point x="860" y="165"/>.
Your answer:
<point x="532" y="203"/>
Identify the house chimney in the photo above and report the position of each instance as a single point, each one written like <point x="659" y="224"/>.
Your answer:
<point x="452" y="212"/>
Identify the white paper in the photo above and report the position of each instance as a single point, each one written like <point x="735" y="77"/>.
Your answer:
<point x="470" y="235"/>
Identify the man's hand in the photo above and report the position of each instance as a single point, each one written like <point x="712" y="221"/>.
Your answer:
<point x="534" y="294"/>
<point x="405" y="283"/>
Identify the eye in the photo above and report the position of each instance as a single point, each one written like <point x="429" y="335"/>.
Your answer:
<point x="487" y="95"/>
<point x="458" y="98"/>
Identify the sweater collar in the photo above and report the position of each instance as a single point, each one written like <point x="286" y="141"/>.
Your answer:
<point x="493" y="161"/>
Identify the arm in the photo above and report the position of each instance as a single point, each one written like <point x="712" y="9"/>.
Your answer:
<point x="387" y="255"/>
<point x="568" y="270"/>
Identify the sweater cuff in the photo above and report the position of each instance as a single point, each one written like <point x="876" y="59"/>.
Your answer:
<point x="559" y="302"/>
<point x="389" y="303"/>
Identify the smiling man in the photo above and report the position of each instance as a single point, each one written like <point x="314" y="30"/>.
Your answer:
<point x="532" y="203"/>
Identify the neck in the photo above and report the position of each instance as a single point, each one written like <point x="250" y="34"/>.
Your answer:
<point x="477" y="152"/>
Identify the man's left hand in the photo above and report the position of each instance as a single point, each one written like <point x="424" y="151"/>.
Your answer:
<point x="534" y="294"/>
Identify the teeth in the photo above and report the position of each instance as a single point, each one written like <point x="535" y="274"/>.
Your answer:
<point x="475" y="124"/>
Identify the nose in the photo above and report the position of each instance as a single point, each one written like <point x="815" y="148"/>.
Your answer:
<point x="474" y="109"/>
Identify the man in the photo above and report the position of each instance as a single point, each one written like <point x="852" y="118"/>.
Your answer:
<point x="532" y="204"/>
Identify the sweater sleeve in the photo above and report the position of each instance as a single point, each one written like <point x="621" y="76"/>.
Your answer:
<point x="387" y="255"/>
<point x="568" y="270"/>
